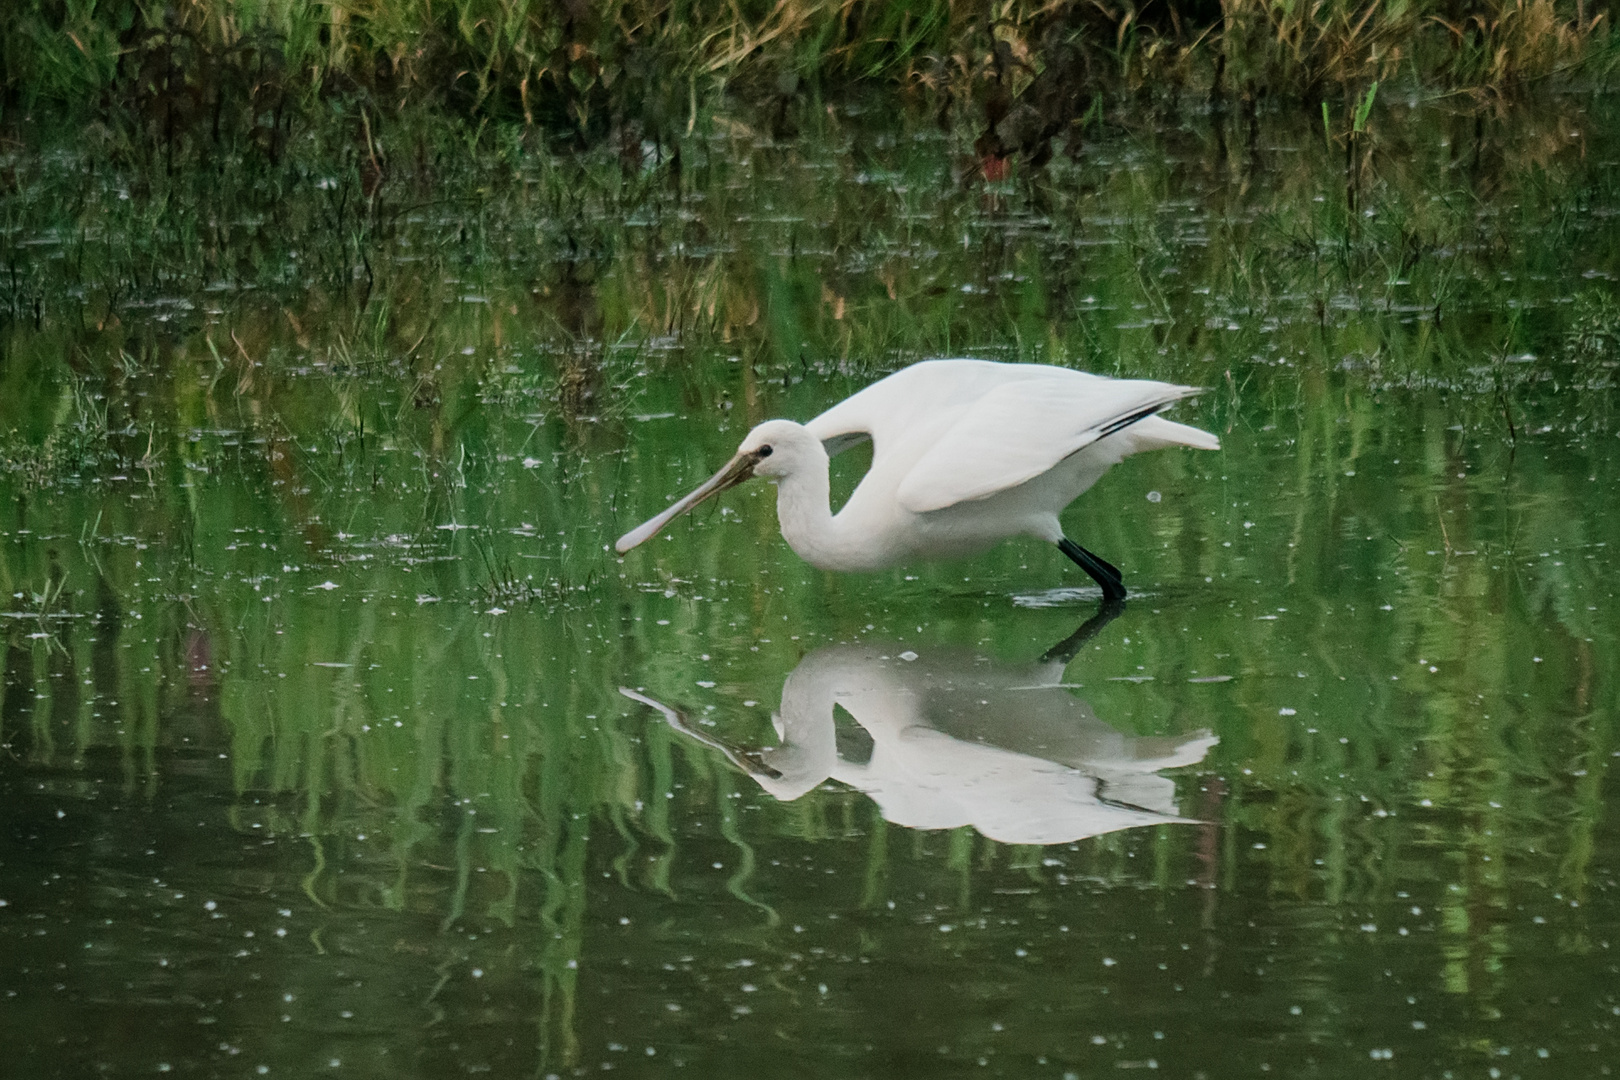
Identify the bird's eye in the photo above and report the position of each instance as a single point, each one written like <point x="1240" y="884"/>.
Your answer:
<point x="764" y="451"/>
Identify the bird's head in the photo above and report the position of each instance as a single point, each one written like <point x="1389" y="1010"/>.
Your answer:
<point x="779" y="448"/>
<point x="773" y="450"/>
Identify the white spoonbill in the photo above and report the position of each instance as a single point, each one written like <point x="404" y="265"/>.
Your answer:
<point x="953" y="739"/>
<point x="965" y="453"/>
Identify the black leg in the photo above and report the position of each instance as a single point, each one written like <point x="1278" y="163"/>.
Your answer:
<point x="1103" y="572"/>
<point x="1067" y="649"/>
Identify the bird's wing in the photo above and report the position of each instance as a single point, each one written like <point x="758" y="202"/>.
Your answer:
<point x="847" y="424"/>
<point x="1017" y="431"/>
<point x="923" y="396"/>
<point x="843" y="440"/>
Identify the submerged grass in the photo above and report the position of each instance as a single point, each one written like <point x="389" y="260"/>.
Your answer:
<point x="68" y="440"/>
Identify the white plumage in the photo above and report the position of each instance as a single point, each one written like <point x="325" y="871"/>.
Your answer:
<point x="957" y="739"/>
<point x="965" y="453"/>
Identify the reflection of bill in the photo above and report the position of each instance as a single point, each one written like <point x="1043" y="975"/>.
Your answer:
<point x="952" y="738"/>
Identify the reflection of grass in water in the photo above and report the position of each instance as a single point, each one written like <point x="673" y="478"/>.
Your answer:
<point x="543" y="775"/>
<point x="856" y="273"/>
<point x="342" y="427"/>
<point x="737" y="882"/>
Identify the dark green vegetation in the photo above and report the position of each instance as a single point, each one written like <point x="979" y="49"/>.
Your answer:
<point x="215" y="76"/>
<point x="313" y="449"/>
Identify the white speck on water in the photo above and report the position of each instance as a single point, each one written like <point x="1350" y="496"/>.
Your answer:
<point x="908" y="656"/>
<point x="1154" y="496"/>
<point x="1285" y="711"/>
<point x="327" y="585"/>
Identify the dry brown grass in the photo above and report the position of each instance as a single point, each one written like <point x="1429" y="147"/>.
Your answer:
<point x="591" y="67"/>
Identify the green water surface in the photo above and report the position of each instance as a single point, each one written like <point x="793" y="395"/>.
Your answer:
<point x="314" y="755"/>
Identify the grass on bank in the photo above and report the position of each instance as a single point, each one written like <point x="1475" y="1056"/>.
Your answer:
<point x="590" y="69"/>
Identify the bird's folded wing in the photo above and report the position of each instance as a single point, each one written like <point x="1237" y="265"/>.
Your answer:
<point x="1019" y="430"/>
<point x="918" y="398"/>
<point x="837" y="443"/>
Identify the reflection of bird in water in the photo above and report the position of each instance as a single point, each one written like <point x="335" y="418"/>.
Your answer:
<point x="951" y="738"/>
<point x="965" y="453"/>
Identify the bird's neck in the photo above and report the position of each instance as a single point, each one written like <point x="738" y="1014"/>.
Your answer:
<point x="804" y="512"/>
<point x="808" y="751"/>
<point x="846" y="541"/>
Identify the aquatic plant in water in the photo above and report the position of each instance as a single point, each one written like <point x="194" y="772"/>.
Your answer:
<point x="295" y="428"/>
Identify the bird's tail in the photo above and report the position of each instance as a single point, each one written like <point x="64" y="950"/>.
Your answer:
<point x="1171" y="433"/>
